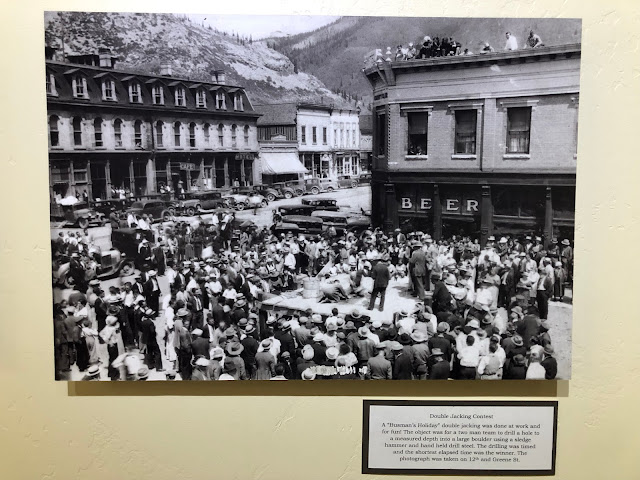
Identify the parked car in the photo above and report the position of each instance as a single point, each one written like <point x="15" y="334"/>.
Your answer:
<point x="267" y="191"/>
<point x="288" y="190"/>
<point x="299" y="224"/>
<point x="348" y="181"/>
<point x="364" y="179"/>
<point x="191" y="203"/>
<point x="305" y="210"/>
<point x="158" y="209"/>
<point x="242" y="201"/>
<point x="317" y="185"/>
<point x="105" y="206"/>
<point x="320" y="203"/>
<point x="77" y="215"/>
<point x="342" y="221"/>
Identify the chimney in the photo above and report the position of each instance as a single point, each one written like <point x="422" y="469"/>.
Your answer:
<point x="104" y="54"/>
<point x="219" y="77"/>
<point x="165" y="69"/>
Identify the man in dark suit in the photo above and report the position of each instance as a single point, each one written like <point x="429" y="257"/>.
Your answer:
<point x="199" y="345"/>
<point x="196" y="306"/>
<point x="159" y="258"/>
<point x="149" y="341"/>
<point x="152" y="292"/>
<point x="380" y="275"/>
<point x="250" y="345"/>
<point x="418" y="269"/>
<point x="402" y="366"/>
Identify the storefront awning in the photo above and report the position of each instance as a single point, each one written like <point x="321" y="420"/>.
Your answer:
<point x="277" y="163"/>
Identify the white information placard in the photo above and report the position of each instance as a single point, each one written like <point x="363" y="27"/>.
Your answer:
<point x="508" y="438"/>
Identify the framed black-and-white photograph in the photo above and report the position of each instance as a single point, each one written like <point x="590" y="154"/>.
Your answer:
<point x="311" y="198"/>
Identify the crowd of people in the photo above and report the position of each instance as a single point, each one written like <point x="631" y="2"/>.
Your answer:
<point x="193" y="310"/>
<point x="446" y="46"/>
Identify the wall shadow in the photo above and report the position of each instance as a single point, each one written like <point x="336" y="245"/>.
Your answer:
<point x="334" y="388"/>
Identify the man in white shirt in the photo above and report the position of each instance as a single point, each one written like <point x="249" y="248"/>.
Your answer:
<point x="512" y="43"/>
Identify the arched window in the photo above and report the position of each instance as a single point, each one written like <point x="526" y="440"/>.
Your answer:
<point x="159" y="125"/>
<point x="117" y="132"/>
<point x="54" y="134"/>
<point x="97" y="133"/>
<point x="234" y="130"/>
<point x="221" y="135"/>
<point x="77" y="131"/>
<point x="137" y="134"/>
<point x="192" y="135"/>
<point x="246" y="135"/>
<point x="205" y="130"/>
<point x="176" y="134"/>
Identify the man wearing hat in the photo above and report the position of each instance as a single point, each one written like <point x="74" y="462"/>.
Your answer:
<point x="378" y="367"/>
<point x="364" y="347"/>
<point x="306" y="362"/>
<point x="439" y="368"/>
<point x="199" y="345"/>
<point x="402" y="367"/>
<point x="549" y="363"/>
<point x="418" y="269"/>
<point x="149" y="342"/>
<point x="234" y="349"/>
<point x="251" y="345"/>
<point x="381" y="276"/>
<point x="152" y="292"/>
<point x="420" y="354"/>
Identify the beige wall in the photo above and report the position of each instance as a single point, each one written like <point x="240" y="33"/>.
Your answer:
<point x="233" y="431"/>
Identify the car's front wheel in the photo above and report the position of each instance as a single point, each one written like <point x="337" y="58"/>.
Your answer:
<point x="166" y="216"/>
<point x="83" y="222"/>
<point x="330" y="189"/>
<point x="240" y="206"/>
<point x="354" y="184"/>
<point x="315" y="190"/>
<point x="271" y="197"/>
<point x="191" y="211"/>
<point x="263" y="203"/>
<point x="288" y="195"/>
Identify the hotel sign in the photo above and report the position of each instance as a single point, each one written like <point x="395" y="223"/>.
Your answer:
<point x="244" y="156"/>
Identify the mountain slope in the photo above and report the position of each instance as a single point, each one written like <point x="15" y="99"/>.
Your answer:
<point x="144" y="41"/>
<point x="334" y="53"/>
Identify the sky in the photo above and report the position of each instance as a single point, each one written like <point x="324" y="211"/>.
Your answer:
<point x="261" y="26"/>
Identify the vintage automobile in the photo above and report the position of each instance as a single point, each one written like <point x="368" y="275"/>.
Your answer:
<point x="320" y="203"/>
<point x="317" y="185"/>
<point x="289" y="190"/>
<point x="364" y="179"/>
<point x="120" y="259"/>
<point x="105" y="206"/>
<point x="267" y="191"/>
<point x="342" y="221"/>
<point x="77" y="215"/>
<point x="296" y="210"/>
<point x="193" y="202"/>
<point x="158" y="209"/>
<point x="348" y="181"/>
<point x="242" y="201"/>
<point x="298" y="224"/>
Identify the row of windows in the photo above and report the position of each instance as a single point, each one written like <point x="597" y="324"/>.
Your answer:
<point x="341" y="137"/>
<point x="80" y="89"/>
<point x="118" y="126"/>
<point x="518" y="132"/>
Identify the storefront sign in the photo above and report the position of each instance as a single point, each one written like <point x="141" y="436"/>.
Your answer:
<point x="244" y="156"/>
<point x="463" y="205"/>
<point x="463" y="438"/>
<point x="188" y="166"/>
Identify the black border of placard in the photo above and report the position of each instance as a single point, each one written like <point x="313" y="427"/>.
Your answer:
<point x="470" y="403"/>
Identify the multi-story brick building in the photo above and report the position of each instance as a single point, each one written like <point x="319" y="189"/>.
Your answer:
<point x="477" y="144"/>
<point x="112" y="130"/>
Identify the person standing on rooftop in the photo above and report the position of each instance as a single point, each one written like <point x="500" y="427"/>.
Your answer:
<point x="512" y="42"/>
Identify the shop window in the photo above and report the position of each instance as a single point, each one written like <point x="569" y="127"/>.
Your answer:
<point x="54" y="134"/>
<point x="340" y="166"/>
<point x="303" y="134"/>
<point x="221" y="135"/>
<point x="207" y="134"/>
<point x="418" y="128"/>
<point x="97" y="133"/>
<point x="79" y="87"/>
<point x="248" y="172"/>
<point x="137" y="134"/>
<point x="518" y="129"/>
<point x="158" y="95"/>
<point x="201" y="99"/>
<point x="135" y="93"/>
<point x="564" y="202"/>
<point x="108" y="90"/>
<point x="505" y="201"/>
<point x="324" y="135"/>
<point x="79" y="172"/>
<point x="180" y="97"/>
<point x="466" y="132"/>
<point x="314" y="137"/>
<point x="220" y="100"/>
<point x="176" y="134"/>
<point x="192" y="135"/>
<point x="117" y="132"/>
<point x="234" y="131"/>
<point x="246" y="135"/>
<point x="77" y="131"/>
<point x="159" y="139"/>
<point x="51" y="84"/>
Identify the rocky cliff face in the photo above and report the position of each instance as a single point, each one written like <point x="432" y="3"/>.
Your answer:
<point x="145" y="41"/>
